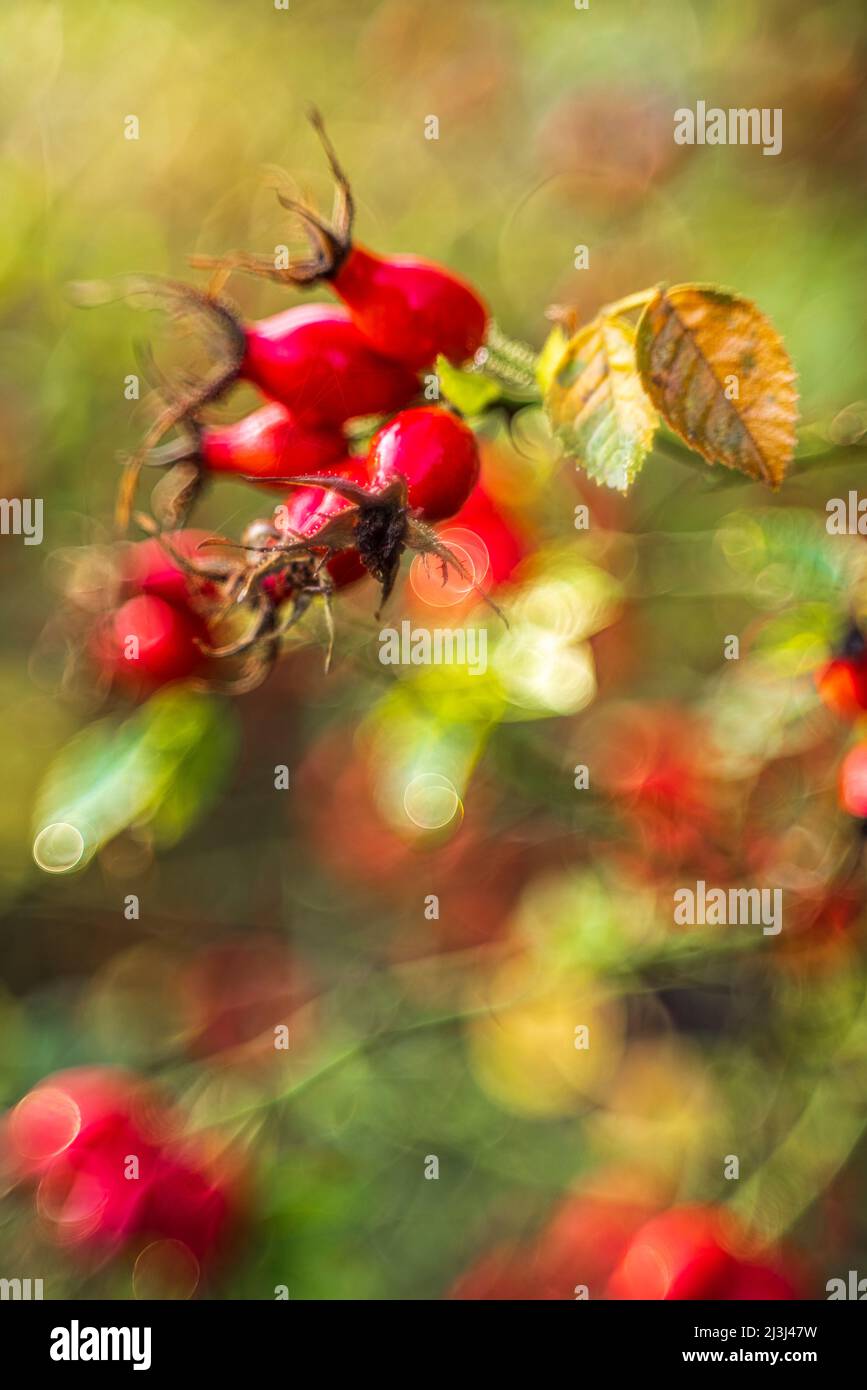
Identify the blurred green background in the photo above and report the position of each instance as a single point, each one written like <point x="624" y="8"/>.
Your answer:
<point x="555" y="130"/>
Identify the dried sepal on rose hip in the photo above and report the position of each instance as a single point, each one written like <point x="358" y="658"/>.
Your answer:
<point x="215" y="579"/>
<point x="277" y="582"/>
<point x="422" y="466"/>
<point x="307" y="509"/>
<point x="279" y="570"/>
<point x="278" y="590"/>
<point x="431" y="448"/>
<point x="408" y="308"/>
<point x="311" y="359"/>
<point x="380" y="526"/>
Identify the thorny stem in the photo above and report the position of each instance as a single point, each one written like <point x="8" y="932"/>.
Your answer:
<point x="515" y="361"/>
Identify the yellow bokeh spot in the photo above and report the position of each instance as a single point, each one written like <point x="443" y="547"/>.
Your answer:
<point x="431" y="801"/>
<point x="546" y="1050"/>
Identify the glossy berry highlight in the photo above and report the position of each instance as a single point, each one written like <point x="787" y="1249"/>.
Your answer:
<point x="435" y="452"/>
<point x="149" y="642"/>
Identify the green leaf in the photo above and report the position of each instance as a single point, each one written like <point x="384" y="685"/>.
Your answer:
<point x="164" y="765"/>
<point x="597" y="405"/>
<point x="469" y="392"/>
<point x="790" y="553"/>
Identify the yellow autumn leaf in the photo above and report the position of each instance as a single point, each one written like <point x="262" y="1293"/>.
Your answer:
<point x="597" y="405"/>
<point x="718" y="373"/>
<point x="549" y="357"/>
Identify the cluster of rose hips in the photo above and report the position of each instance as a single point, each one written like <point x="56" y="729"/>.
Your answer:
<point x="319" y="367"/>
<point x="110" y="1167"/>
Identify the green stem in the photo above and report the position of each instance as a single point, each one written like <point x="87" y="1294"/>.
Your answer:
<point x="515" y="361"/>
<point x="629" y="977"/>
<point x="360" y="1048"/>
<point x="670" y="446"/>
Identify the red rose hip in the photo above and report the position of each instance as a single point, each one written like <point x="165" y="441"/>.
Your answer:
<point x="269" y="443"/>
<point x="148" y="642"/>
<point x="410" y="309"/>
<point x="313" y="359"/>
<point x="435" y="452"/>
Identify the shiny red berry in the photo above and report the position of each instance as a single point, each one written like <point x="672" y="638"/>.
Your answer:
<point x="148" y="642"/>
<point x="313" y="359"/>
<point x="74" y="1134"/>
<point x="147" y="567"/>
<point x="410" y="309"/>
<point x="271" y="442"/>
<point x="435" y="452"/>
<point x="505" y="540"/>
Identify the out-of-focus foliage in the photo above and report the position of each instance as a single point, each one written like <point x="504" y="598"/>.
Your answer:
<point x="160" y="768"/>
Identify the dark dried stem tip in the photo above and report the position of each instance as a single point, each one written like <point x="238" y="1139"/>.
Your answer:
<point x="330" y="243"/>
<point x="182" y="404"/>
